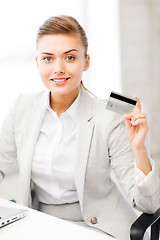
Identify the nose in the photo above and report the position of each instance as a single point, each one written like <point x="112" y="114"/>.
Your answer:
<point x="59" y="67"/>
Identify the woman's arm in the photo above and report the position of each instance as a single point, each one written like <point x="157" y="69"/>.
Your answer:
<point x="8" y="151"/>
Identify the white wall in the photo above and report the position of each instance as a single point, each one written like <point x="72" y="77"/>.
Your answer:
<point x="140" y="52"/>
<point x="19" y="22"/>
<point x="102" y="26"/>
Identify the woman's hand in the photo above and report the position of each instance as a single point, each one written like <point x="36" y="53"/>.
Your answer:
<point x="136" y="126"/>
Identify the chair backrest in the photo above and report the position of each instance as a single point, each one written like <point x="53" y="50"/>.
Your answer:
<point x="140" y="226"/>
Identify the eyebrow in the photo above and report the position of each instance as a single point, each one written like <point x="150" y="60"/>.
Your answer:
<point x="64" y="52"/>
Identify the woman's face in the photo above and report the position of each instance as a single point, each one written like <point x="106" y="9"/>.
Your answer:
<point x="61" y="61"/>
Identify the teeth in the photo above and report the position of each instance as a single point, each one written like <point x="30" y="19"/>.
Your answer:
<point x="61" y="80"/>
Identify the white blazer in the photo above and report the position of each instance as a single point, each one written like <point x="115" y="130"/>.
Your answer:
<point x="101" y="145"/>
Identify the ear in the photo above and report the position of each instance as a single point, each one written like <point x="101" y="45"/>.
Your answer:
<point x="87" y="62"/>
<point x="36" y="58"/>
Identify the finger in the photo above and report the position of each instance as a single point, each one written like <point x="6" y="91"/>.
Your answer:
<point x="138" y="122"/>
<point x="140" y="115"/>
<point x="128" y="116"/>
<point x="132" y="119"/>
<point x="137" y="109"/>
<point x="138" y="105"/>
<point x="128" y="124"/>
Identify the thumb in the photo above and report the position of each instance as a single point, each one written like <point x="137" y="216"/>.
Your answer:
<point x="138" y="104"/>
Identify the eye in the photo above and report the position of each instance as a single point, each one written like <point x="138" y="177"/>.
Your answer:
<point x="48" y="59"/>
<point x="70" y="58"/>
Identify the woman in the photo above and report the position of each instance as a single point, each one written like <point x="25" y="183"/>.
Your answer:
<point x="66" y="142"/>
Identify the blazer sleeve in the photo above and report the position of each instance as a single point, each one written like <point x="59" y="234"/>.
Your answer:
<point x="122" y="162"/>
<point x="8" y="152"/>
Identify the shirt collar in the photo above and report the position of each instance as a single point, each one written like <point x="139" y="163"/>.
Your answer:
<point x="72" y="110"/>
<point x="46" y="102"/>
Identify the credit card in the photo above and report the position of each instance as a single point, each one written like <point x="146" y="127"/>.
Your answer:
<point x="120" y="104"/>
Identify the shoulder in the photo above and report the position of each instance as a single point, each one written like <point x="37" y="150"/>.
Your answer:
<point x="26" y="100"/>
<point x="30" y="98"/>
<point x="103" y="115"/>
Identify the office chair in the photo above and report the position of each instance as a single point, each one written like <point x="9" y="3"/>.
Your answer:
<point x="145" y="220"/>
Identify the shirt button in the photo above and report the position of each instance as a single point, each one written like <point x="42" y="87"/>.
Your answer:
<point x="94" y="220"/>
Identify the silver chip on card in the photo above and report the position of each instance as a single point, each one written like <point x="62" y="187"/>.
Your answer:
<point x="120" y="103"/>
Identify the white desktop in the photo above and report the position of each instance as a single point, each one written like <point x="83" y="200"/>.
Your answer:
<point x="38" y="226"/>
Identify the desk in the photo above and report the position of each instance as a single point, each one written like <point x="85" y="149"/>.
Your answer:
<point x="38" y="226"/>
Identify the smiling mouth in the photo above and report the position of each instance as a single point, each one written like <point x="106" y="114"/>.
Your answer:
<point x="59" y="80"/>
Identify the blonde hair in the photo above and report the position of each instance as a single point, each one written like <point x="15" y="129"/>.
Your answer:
<point x="63" y="25"/>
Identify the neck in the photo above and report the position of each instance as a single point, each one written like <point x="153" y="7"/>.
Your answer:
<point x="62" y="102"/>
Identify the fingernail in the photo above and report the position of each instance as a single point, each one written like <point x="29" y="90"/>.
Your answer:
<point x="132" y="120"/>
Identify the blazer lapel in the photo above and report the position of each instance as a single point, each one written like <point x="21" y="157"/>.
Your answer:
<point x="32" y="126"/>
<point x="84" y="138"/>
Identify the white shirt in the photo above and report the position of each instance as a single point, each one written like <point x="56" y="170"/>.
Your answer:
<point x="55" y="155"/>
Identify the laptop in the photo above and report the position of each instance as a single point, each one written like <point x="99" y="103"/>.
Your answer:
<point x="9" y="215"/>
